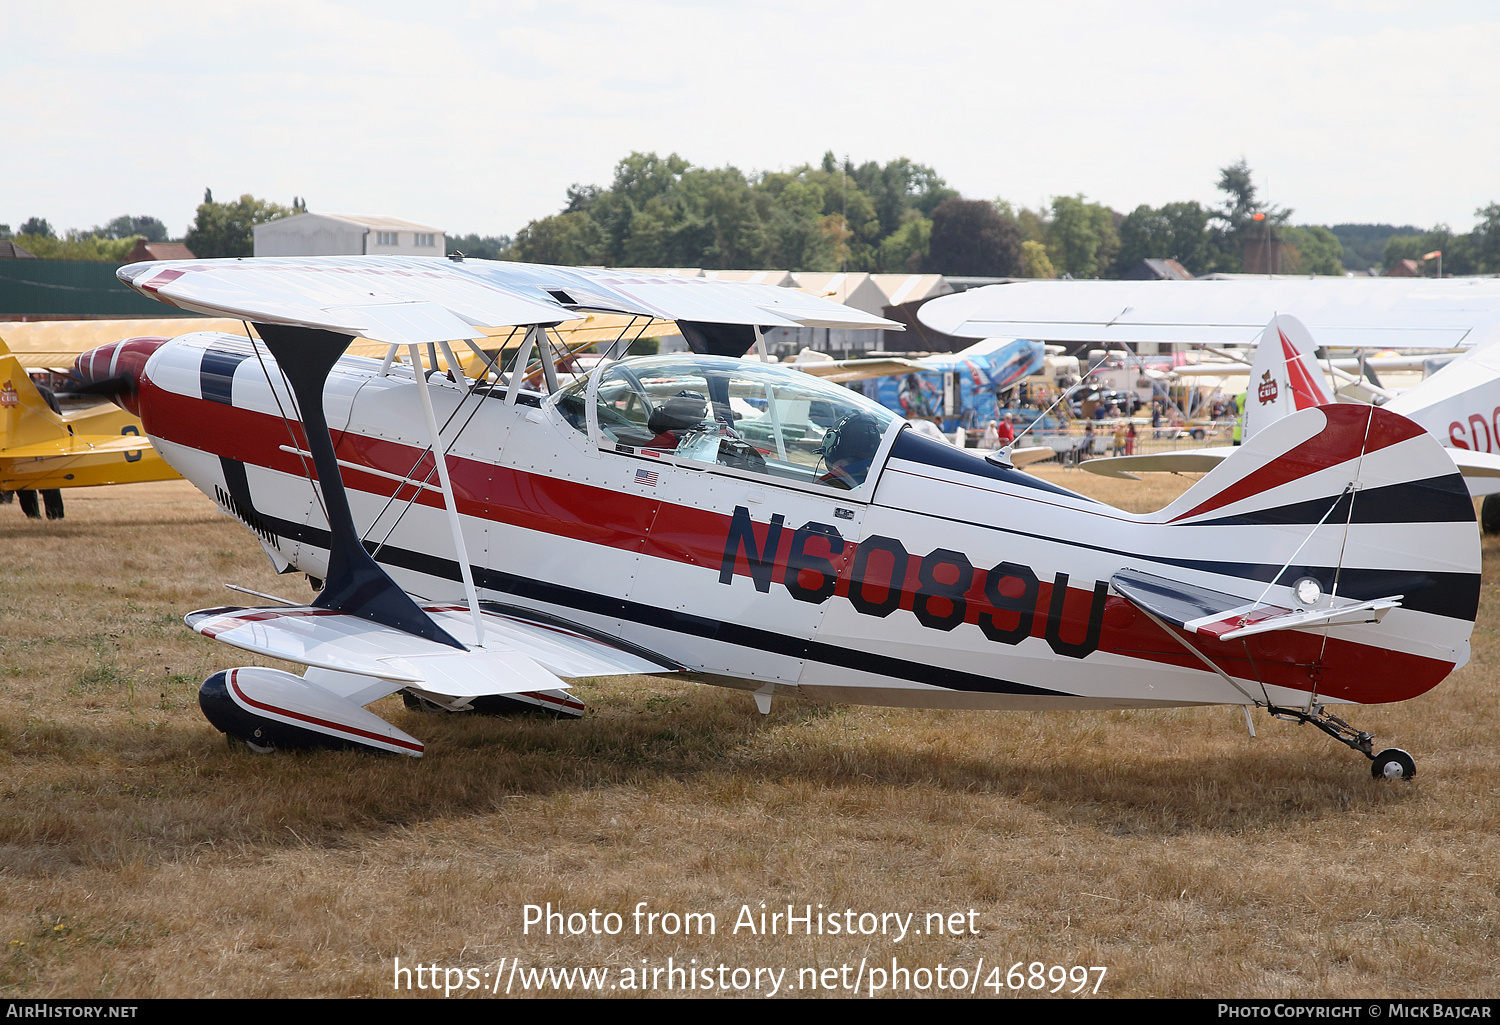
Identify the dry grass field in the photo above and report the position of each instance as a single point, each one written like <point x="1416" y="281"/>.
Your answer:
<point x="140" y="856"/>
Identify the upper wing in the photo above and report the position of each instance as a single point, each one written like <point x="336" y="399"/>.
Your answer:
<point x="56" y="343"/>
<point x="413" y="300"/>
<point x="1368" y="313"/>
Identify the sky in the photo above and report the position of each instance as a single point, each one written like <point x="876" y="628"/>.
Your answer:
<point x="476" y="117"/>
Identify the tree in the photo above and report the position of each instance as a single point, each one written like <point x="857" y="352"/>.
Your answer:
<point x="1242" y="214"/>
<point x="77" y="246"/>
<point x="228" y="229"/>
<point x="1034" y="261"/>
<point x="1177" y="231"/>
<point x="126" y="226"/>
<point x="900" y="186"/>
<point x="1364" y="244"/>
<point x="1311" y="250"/>
<point x="1459" y="253"/>
<point x="1235" y="182"/>
<point x="1084" y="240"/>
<point x="906" y="248"/>
<point x="970" y="236"/>
<point x="37" y="226"/>
<point x="482" y="247"/>
<point x="569" y="240"/>
<point x="1486" y="239"/>
<point x="664" y="212"/>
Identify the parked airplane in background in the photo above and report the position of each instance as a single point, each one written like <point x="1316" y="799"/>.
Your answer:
<point x="1459" y="404"/>
<point x="960" y="389"/>
<point x="687" y="514"/>
<point x="43" y="449"/>
<point x="1285" y="377"/>
<point x="1357" y="313"/>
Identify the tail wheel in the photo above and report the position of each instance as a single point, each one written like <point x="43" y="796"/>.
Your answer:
<point x="245" y="744"/>
<point x="1393" y="763"/>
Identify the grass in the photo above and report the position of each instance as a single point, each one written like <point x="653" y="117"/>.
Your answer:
<point x="141" y="856"/>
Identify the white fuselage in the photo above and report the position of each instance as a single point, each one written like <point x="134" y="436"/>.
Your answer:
<point x="945" y="581"/>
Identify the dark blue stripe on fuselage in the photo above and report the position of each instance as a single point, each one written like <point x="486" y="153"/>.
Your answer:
<point x="915" y="448"/>
<point x="216" y="374"/>
<point x="1440" y="593"/>
<point x="1434" y="500"/>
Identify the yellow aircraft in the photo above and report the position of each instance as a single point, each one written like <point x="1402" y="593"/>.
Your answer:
<point x="43" y="449"/>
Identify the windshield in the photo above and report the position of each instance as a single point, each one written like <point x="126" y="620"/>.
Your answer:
<point x="734" y="412"/>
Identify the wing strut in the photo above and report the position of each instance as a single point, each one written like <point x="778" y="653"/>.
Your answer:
<point x="536" y="338"/>
<point x="440" y="457"/>
<point x="355" y="584"/>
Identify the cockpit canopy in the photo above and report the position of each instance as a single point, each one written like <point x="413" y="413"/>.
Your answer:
<point x="737" y="413"/>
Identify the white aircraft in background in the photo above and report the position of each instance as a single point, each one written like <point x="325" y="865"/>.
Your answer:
<point x="1459" y="404"/>
<point x="478" y="542"/>
<point x="1373" y="314"/>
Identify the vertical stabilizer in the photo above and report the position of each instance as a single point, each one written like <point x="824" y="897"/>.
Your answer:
<point x="26" y="418"/>
<point x="1284" y="376"/>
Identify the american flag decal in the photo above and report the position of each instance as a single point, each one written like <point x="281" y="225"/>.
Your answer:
<point x="647" y="478"/>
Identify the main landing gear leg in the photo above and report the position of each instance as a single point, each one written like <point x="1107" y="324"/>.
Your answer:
<point x="1392" y="763"/>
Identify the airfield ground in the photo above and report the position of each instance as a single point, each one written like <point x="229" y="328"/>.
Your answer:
<point x="140" y="856"/>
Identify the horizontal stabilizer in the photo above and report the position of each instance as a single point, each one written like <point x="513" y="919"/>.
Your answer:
<point x="1027" y="456"/>
<point x="1201" y="460"/>
<point x="1226" y="617"/>
<point x="1195" y="460"/>
<point x="79" y="445"/>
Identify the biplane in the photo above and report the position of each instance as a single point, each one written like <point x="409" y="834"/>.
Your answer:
<point x="487" y="540"/>
<point x="44" y="449"/>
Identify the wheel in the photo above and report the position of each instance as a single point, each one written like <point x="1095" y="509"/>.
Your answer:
<point x="243" y="744"/>
<point x="1393" y="763"/>
<point x="1199" y="434"/>
<point x="1489" y="514"/>
<point x="417" y="704"/>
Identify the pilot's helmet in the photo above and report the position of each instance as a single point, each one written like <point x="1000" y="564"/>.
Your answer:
<point x="679" y="413"/>
<point x="855" y="438"/>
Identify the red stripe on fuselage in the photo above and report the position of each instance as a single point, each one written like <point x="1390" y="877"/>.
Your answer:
<point x="1348" y="433"/>
<point x="536" y="501"/>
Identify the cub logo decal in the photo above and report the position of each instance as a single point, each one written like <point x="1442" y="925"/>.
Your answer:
<point x="1267" y="390"/>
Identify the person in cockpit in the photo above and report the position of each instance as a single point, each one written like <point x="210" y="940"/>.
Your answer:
<point x="848" y="449"/>
<point x="668" y="421"/>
